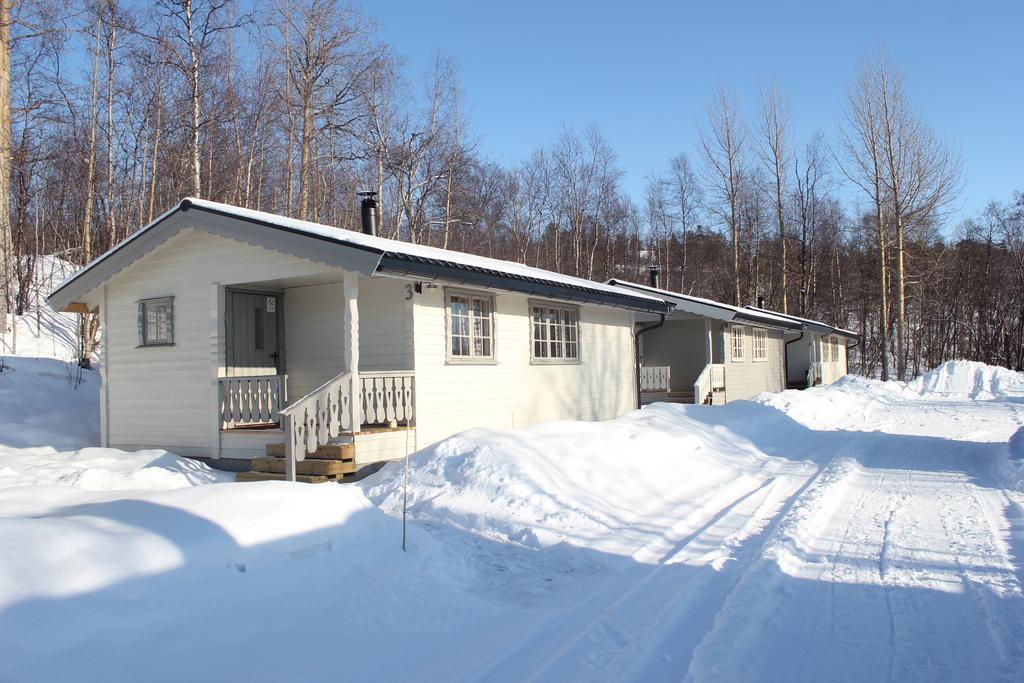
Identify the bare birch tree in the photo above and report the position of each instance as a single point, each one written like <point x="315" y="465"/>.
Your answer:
<point x="722" y="148"/>
<point x="775" y="154"/>
<point x="6" y="246"/>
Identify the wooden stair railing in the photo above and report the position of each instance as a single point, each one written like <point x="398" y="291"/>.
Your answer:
<point x="317" y="417"/>
<point x="710" y="380"/>
<point x="344" y="404"/>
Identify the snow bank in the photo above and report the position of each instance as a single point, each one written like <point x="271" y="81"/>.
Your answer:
<point x="103" y="469"/>
<point x="48" y="402"/>
<point x="968" y="380"/>
<point x="1010" y="462"/>
<point x="602" y="485"/>
<point x="88" y="543"/>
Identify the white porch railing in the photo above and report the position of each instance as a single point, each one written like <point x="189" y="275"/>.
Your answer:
<point x="710" y="380"/>
<point x="654" y="378"/>
<point x="386" y="397"/>
<point x="327" y="411"/>
<point x="253" y="399"/>
<point x="814" y="374"/>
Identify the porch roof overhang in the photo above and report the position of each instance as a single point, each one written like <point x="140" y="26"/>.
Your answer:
<point x="811" y="325"/>
<point x="707" y="308"/>
<point x="365" y="254"/>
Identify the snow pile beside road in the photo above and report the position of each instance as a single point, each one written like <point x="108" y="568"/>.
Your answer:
<point x="1010" y="462"/>
<point x="969" y="380"/>
<point x="604" y="486"/>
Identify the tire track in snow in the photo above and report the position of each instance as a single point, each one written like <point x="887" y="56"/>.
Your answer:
<point x="1006" y="643"/>
<point x="604" y="622"/>
<point x="517" y="661"/>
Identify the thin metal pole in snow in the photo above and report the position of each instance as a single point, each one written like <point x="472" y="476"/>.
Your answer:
<point x="405" y="486"/>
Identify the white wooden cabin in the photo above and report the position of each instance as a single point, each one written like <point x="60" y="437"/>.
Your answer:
<point x="709" y="352"/>
<point x="225" y="330"/>
<point x="819" y="356"/>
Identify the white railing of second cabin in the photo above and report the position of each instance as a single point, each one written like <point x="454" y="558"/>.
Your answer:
<point x="710" y="379"/>
<point x="251" y="400"/>
<point x="814" y="374"/>
<point x="384" y="398"/>
<point x="654" y="378"/>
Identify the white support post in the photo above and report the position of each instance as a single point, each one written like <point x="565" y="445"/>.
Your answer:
<point x="350" y="337"/>
<point x="709" y="348"/>
<point x="216" y="350"/>
<point x="104" y="372"/>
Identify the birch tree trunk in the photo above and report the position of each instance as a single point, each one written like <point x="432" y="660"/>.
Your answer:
<point x="6" y="247"/>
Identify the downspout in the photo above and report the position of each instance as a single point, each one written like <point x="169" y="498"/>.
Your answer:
<point x="636" y="352"/>
<point x="785" y="357"/>
<point x="848" y="347"/>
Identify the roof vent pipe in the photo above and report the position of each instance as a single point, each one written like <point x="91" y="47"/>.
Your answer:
<point x="369" y="212"/>
<point x="760" y="300"/>
<point x="654" y="277"/>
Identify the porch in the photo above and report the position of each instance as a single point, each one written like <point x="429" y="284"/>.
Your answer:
<point x="708" y="389"/>
<point x="678" y="361"/>
<point x="317" y="377"/>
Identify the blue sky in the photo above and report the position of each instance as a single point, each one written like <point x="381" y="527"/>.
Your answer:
<point x="643" y="70"/>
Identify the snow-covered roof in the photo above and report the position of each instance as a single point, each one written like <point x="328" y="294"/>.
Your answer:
<point x="709" y="308"/>
<point x="814" y="325"/>
<point x="387" y="256"/>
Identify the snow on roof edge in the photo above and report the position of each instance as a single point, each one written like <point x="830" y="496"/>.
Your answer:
<point x="807" y="321"/>
<point x="762" y="316"/>
<point x="382" y="245"/>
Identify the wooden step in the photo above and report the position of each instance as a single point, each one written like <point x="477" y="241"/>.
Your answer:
<point x="267" y="476"/>
<point x="312" y="467"/>
<point x="331" y="451"/>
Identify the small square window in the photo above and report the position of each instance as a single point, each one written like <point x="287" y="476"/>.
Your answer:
<point x="156" y="321"/>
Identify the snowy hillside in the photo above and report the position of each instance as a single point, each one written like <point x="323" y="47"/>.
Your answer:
<point x="41" y="332"/>
<point x="858" y="531"/>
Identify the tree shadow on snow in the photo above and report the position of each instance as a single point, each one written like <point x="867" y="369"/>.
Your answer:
<point x="344" y="601"/>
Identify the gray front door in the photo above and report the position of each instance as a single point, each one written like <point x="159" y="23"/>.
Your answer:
<point x="253" y="339"/>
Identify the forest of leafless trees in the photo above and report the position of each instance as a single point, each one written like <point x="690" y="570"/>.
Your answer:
<point x="112" y="111"/>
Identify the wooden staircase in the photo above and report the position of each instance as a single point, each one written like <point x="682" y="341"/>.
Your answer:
<point x="330" y="462"/>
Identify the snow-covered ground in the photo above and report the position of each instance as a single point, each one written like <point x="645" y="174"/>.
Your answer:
<point x="860" y="531"/>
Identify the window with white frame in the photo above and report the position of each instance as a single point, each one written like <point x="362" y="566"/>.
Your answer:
<point x="156" y="321"/>
<point x="470" y="327"/>
<point x="826" y="350"/>
<point x="556" y="334"/>
<point x="835" y="348"/>
<point x="736" y="336"/>
<point x="759" y="347"/>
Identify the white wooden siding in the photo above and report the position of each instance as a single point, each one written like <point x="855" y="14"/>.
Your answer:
<point x="313" y="346"/>
<point x="512" y="392"/>
<point x="748" y="377"/>
<point x="164" y="396"/>
<point x="384" y="325"/>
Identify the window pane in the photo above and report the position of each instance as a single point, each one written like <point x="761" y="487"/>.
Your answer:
<point x="156" y="322"/>
<point x="258" y="331"/>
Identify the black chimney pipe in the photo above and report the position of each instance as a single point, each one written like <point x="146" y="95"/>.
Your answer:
<point x="760" y="300"/>
<point x="654" y="277"/>
<point x="368" y="212"/>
